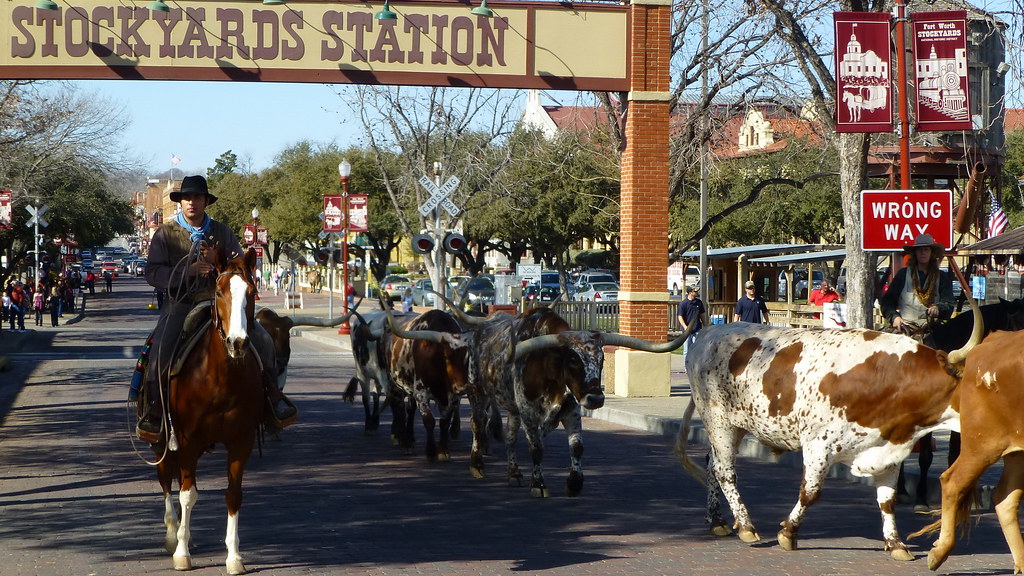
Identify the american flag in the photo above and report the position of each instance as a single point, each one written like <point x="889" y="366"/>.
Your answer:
<point x="175" y="160"/>
<point x="997" y="219"/>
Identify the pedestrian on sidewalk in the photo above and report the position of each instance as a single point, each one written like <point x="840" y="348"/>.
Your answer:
<point x="38" y="303"/>
<point x="18" y="303"/>
<point x="407" y="301"/>
<point x="751" y="307"/>
<point x="54" y="303"/>
<point x="691" y="311"/>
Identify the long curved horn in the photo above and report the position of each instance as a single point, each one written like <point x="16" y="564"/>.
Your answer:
<point x="324" y="322"/>
<point x="610" y="339"/>
<point x="537" y="343"/>
<point x="431" y="335"/>
<point x="959" y="355"/>
<point x="616" y="339"/>
<point x="473" y="320"/>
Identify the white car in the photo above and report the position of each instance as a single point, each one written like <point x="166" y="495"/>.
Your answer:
<point x="680" y="276"/>
<point x="598" y="292"/>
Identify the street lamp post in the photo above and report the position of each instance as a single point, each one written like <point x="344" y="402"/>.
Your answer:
<point x="345" y="170"/>
<point x="256" y="242"/>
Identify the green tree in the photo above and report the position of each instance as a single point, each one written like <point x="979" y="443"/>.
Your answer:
<point x="225" y="164"/>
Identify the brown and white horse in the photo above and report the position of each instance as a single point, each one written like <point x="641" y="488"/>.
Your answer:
<point x="216" y="398"/>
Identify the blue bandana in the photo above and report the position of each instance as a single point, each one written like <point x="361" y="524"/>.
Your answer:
<point x="194" y="234"/>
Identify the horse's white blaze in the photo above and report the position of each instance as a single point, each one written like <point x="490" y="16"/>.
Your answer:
<point x="237" y="328"/>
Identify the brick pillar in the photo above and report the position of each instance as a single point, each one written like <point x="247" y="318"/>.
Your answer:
<point x="644" y="194"/>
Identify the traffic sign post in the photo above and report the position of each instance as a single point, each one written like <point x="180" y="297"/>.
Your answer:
<point x="37" y="221"/>
<point x="891" y="219"/>
<point x="439" y="197"/>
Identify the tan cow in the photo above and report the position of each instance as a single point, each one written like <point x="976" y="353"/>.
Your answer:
<point x="990" y="398"/>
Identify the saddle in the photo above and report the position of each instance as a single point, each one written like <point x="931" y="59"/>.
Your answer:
<point x="196" y="324"/>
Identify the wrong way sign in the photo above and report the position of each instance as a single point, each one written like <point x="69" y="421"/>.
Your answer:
<point x="891" y="219"/>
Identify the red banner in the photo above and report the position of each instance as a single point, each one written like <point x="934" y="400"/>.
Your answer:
<point x="358" y="213"/>
<point x="333" y="222"/>
<point x="5" y="210"/>
<point x="863" y="72"/>
<point x="940" y="65"/>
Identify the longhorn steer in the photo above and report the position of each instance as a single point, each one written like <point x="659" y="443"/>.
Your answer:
<point x="370" y="356"/>
<point x="854" y="396"/>
<point x="990" y="398"/>
<point x="540" y="372"/>
<point x="426" y="370"/>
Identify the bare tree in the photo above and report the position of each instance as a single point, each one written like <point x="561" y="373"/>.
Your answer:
<point x="408" y="130"/>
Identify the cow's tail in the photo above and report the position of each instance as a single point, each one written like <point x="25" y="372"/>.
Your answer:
<point x="963" y="516"/>
<point x="350" y="390"/>
<point x="682" y="440"/>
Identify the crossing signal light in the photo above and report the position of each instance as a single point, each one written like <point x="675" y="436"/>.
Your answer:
<point x="422" y="243"/>
<point x="322" y="255"/>
<point x="455" y="243"/>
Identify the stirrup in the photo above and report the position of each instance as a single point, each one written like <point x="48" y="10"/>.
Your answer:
<point x="148" y="436"/>
<point x="272" y="422"/>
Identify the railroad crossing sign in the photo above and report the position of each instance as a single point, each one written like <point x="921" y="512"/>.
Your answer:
<point x="37" y="216"/>
<point x="439" y="196"/>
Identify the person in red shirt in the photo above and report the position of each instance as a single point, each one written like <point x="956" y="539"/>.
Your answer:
<point x="18" y="303"/>
<point x="823" y="295"/>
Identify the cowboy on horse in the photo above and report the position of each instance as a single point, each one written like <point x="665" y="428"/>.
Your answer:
<point x="178" y="264"/>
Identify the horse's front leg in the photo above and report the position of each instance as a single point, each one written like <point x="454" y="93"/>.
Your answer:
<point x="233" y="499"/>
<point x="187" y="496"/>
<point x="166" y="471"/>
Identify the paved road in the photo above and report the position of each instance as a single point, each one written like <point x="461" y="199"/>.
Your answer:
<point x="75" y="499"/>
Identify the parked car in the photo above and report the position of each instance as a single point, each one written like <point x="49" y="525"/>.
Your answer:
<point x="421" y="294"/>
<point x="598" y="292"/>
<point x="395" y="286"/>
<point x="592" y="276"/>
<point x="453" y="283"/>
<point x="680" y="276"/>
<point x="478" y="290"/>
<point x="800" y="291"/>
<point x="534" y="293"/>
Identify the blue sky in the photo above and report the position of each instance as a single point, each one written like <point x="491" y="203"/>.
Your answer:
<point x="199" y="121"/>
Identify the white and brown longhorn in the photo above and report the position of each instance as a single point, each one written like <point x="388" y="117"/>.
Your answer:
<point x="859" y="397"/>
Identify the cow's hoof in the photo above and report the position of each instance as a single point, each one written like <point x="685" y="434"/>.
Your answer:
<point x="395" y="441"/>
<point x="786" y="541"/>
<point x="182" y="562"/>
<point x="539" y="492"/>
<point x="477" y="473"/>
<point x="935" y="560"/>
<point x="749" y="536"/>
<point x="443" y="456"/>
<point x="904" y="555"/>
<point x="720" y="529"/>
<point x="235" y="566"/>
<point x="574" y="485"/>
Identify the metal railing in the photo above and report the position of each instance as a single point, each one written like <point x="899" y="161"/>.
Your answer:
<point x="604" y="316"/>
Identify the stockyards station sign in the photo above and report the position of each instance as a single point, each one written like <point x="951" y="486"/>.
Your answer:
<point x="524" y="45"/>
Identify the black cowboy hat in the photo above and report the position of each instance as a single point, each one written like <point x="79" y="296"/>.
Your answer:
<point x="193" y="185"/>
